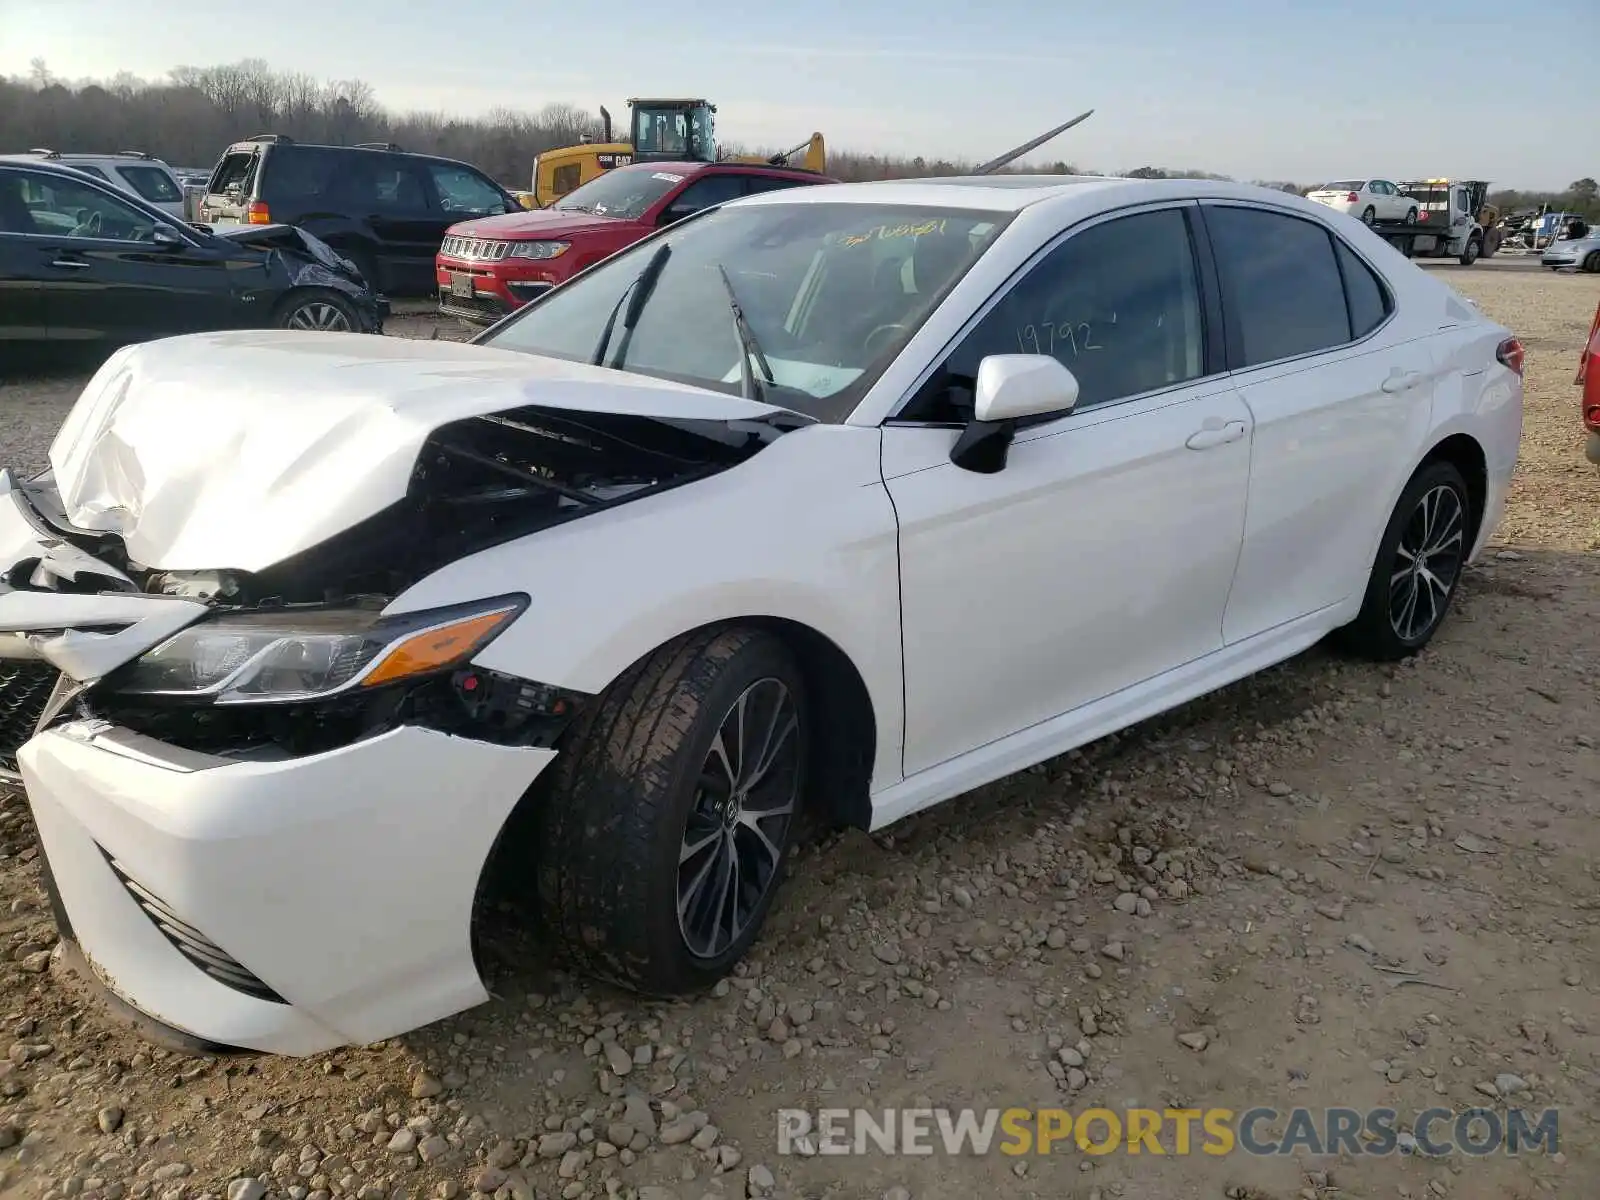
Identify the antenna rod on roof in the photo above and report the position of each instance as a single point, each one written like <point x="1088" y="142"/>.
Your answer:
<point x="994" y="164"/>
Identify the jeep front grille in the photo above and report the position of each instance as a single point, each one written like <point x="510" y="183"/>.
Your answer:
<point x="470" y="249"/>
<point x="190" y="942"/>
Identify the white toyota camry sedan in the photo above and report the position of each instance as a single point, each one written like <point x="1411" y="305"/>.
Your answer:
<point x="849" y="498"/>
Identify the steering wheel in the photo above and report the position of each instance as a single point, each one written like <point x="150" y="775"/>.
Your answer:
<point x="868" y="341"/>
<point x="89" y="228"/>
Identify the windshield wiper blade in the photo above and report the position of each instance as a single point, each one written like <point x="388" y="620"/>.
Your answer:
<point x="637" y="292"/>
<point x="748" y="387"/>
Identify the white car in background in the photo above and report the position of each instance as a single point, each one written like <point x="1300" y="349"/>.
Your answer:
<point x="147" y="177"/>
<point x="844" y="500"/>
<point x="1369" y="199"/>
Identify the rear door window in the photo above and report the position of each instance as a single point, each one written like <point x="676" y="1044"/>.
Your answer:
<point x="756" y="184"/>
<point x="1281" y="284"/>
<point x="382" y="183"/>
<point x="716" y="188"/>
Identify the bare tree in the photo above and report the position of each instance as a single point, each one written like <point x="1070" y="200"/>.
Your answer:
<point x="191" y="117"/>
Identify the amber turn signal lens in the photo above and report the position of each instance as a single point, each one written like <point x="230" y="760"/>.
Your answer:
<point x="437" y="648"/>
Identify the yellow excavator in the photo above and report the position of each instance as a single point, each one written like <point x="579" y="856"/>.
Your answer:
<point x="661" y="130"/>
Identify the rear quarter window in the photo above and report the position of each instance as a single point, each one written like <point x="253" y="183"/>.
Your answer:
<point x="153" y="183"/>
<point x="1370" y="302"/>
<point x="301" y="173"/>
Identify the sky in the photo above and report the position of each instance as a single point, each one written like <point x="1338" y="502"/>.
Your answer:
<point x="1257" y="89"/>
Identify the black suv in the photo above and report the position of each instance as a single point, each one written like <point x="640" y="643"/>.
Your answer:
<point x="380" y="207"/>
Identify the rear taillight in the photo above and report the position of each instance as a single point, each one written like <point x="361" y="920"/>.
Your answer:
<point x="1510" y="354"/>
<point x="257" y="214"/>
<point x="1351" y="198"/>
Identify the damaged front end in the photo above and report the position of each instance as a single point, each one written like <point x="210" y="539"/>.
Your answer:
<point x="298" y="657"/>
<point x="298" y="259"/>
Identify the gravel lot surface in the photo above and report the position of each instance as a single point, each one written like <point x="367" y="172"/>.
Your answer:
<point x="1332" y="885"/>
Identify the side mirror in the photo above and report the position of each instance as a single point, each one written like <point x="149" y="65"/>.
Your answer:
<point x="167" y="238"/>
<point x="1010" y="387"/>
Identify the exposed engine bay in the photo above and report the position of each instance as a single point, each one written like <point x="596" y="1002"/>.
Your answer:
<point x="477" y="483"/>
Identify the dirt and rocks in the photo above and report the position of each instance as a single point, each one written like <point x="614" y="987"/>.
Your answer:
<point x="1332" y="885"/>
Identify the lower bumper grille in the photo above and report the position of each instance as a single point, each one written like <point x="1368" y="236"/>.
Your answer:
<point x="25" y="687"/>
<point x="191" y="943"/>
<point x="476" y="308"/>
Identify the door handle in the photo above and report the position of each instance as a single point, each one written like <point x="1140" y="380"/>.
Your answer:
<point x="1401" y="381"/>
<point x="1216" y="435"/>
<point x="70" y="264"/>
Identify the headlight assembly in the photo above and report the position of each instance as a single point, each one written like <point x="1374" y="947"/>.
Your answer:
<point x="538" y="249"/>
<point x="275" y="657"/>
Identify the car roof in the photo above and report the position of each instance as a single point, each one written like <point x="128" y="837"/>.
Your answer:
<point x="687" y="168"/>
<point x="1071" y="196"/>
<point x="126" y="158"/>
<point x="72" y="174"/>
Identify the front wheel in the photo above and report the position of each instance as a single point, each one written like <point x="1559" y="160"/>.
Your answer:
<point x="317" y="309"/>
<point x="1469" y="253"/>
<point x="1418" y="566"/>
<point x="662" y="838"/>
<point x="1592" y="263"/>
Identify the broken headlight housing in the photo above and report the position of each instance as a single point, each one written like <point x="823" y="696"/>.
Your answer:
<point x="280" y="656"/>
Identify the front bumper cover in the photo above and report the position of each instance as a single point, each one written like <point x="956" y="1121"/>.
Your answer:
<point x="344" y="881"/>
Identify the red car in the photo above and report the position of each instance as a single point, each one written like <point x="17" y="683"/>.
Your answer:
<point x="1589" y="380"/>
<point x="488" y="267"/>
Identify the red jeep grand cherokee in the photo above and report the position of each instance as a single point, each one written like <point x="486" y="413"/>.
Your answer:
<point x="488" y="267"/>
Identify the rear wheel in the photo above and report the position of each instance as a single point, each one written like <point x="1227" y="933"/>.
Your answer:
<point x="318" y="310"/>
<point x="662" y="838"/>
<point x="1411" y="216"/>
<point x="1418" y="566"/>
<point x="1368" y="217"/>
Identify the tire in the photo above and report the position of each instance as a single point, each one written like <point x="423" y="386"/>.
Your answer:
<point x="1470" y="252"/>
<point x="1386" y="630"/>
<point x="1592" y="263"/>
<point x="1492" y="241"/>
<point x="1368" y="217"/>
<point x="316" y="310"/>
<point x="635" y="814"/>
<point x="1411" y="216"/>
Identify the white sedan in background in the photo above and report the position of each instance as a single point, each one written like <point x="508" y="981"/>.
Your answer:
<point x="848" y="499"/>
<point x="1369" y="199"/>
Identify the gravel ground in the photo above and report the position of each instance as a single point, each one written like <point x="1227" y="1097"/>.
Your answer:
<point x="1220" y="907"/>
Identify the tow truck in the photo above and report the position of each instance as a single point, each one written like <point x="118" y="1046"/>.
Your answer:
<point x="1452" y="220"/>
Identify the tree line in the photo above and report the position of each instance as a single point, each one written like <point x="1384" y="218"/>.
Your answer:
<point x="191" y="116"/>
<point x="188" y="119"/>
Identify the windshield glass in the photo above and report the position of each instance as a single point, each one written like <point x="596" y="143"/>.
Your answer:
<point x="623" y="193"/>
<point x="830" y="291"/>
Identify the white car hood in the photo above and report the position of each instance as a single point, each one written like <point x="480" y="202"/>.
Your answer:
<point x="237" y="450"/>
